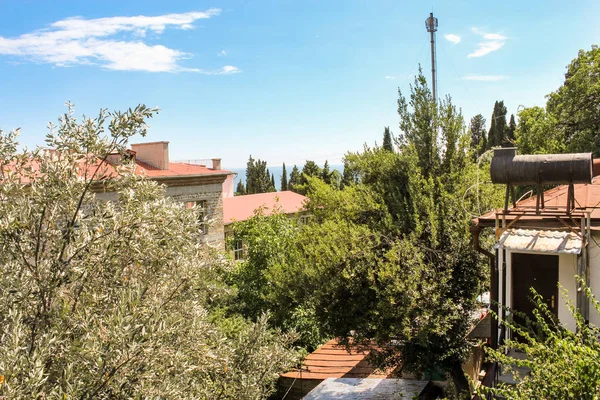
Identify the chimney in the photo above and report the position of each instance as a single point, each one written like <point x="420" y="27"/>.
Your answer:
<point x="155" y="154"/>
<point x="216" y="163"/>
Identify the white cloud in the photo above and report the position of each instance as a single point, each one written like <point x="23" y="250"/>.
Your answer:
<point x="228" y="69"/>
<point x="452" y="38"/>
<point x="222" y="53"/>
<point x="484" y="78"/>
<point x="114" y="43"/>
<point x="492" y="42"/>
<point x="390" y="77"/>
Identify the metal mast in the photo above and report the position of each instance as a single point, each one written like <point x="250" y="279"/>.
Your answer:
<point x="431" y="24"/>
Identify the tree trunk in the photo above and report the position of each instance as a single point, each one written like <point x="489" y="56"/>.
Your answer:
<point x="461" y="383"/>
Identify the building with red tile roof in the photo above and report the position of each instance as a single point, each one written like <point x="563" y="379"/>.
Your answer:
<point x="198" y="183"/>
<point x="242" y="208"/>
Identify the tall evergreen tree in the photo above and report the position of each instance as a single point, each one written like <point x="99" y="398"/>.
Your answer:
<point x="510" y="133"/>
<point x="387" y="139"/>
<point x="273" y="182"/>
<point x="240" y="189"/>
<point x="478" y="135"/>
<point x="258" y="178"/>
<point x="284" y="180"/>
<point x="310" y="169"/>
<point x="498" y="127"/>
<point x="294" y="179"/>
<point x="326" y="173"/>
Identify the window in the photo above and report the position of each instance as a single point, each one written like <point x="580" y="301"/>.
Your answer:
<point x="202" y="209"/>
<point x="303" y="219"/>
<point x="238" y="249"/>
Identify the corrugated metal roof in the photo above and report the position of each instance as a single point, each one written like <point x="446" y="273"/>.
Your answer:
<point x="363" y="389"/>
<point x="540" y="241"/>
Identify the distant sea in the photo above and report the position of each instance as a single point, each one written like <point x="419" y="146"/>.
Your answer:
<point x="276" y="171"/>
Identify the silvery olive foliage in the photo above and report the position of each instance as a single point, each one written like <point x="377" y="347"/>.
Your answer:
<point x="104" y="299"/>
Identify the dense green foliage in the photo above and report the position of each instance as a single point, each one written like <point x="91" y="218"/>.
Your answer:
<point x="563" y="364"/>
<point x="388" y="258"/>
<point x="570" y="121"/>
<point x="387" y="139"/>
<point x="112" y="299"/>
<point x="294" y="179"/>
<point x="258" y="178"/>
<point x="284" y="179"/>
<point x="499" y="133"/>
<point x="478" y="135"/>
<point x="240" y="189"/>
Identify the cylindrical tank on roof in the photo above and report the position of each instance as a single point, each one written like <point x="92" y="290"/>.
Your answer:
<point x="550" y="169"/>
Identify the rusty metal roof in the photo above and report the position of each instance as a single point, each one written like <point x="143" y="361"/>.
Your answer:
<point x="540" y="241"/>
<point x="587" y="198"/>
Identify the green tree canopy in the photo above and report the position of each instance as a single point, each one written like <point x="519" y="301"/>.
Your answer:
<point x="389" y="257"/>
<point x="240" y="189"/>
<point x="570" y="122"/>
<point x="536" y="132"/>
<point x="104" y="299"/>
<point x="575" y="104"/>
<point x="387" y="139"/>
<point x="478" y="134"/>
<point x="497" y="135"/>
<point x="258" y="178"/>
<point x="284" y="179"/>
<point x="326" y="173"/>
<point x="294" y="179"/>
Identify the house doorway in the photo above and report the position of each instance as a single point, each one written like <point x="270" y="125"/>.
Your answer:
<point x="534" y="271"/>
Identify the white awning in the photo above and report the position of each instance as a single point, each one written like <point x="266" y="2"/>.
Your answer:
<point x="540" y="241"/>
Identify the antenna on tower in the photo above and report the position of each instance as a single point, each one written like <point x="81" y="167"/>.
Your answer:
<point x="431" y="24"/>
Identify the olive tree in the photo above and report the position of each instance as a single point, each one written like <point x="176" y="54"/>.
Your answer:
<point x="113" y="299"/>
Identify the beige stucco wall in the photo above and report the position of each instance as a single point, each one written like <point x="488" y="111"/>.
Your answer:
<point x="153" y="153"/>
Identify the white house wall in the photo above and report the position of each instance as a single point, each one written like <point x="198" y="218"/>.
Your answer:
<point x="594" y="254"/>
<point x="567" y="269"/>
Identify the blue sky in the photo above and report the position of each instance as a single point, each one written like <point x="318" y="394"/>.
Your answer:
<point x="282" y="80"/>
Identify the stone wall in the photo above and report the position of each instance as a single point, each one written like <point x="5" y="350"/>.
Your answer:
<point x="194" y="191"/>
<point x="212" y="193"/>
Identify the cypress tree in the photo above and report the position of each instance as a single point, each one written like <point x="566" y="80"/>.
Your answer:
<point x="294" y="179"/>
<point x="241" y="189"/>
<point x="387" y="139"/>
<point x="498" y="127"/>
<point x="512" y="126"/>
<point x="478" y="135"/>
<point x="326" y="173"/>
<point x="284" y="181"/>
<point x="273" y="183"/>
<point x="258" y="178"/>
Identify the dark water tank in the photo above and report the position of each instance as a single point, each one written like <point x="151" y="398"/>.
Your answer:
<point x="551" y="169"/>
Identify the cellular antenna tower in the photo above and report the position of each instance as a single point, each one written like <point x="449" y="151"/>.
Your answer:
<point x="431" y="24"/>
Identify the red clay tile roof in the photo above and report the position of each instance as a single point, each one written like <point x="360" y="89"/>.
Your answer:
<point x="241" y="208"/>
<point x="108" y="171"/>
<point x="333" y="361"/>
<point x="176" y="169"/>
